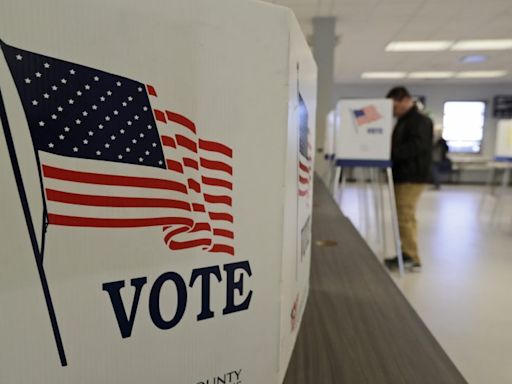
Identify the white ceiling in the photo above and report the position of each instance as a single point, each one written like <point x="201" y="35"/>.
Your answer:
<point x="365" y="27"/>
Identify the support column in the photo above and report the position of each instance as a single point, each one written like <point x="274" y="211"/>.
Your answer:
<point x="324" y="44"/>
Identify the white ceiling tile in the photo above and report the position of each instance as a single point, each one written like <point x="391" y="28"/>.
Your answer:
<point x="366" y="26"/>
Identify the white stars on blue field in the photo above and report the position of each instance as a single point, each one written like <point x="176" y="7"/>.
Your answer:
<point x="77" y="111"/>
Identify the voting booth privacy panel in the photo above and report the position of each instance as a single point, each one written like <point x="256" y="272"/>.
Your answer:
<point x="365" y="127"/>
<point x="504" y="140"/>
<point x="156" y="190"/>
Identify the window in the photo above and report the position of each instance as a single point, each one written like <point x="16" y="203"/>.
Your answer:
<point x="463" y="125"/>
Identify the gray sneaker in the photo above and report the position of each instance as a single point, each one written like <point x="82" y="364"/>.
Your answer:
<point x="392" y="263"/>
<point x="413" y="266"/>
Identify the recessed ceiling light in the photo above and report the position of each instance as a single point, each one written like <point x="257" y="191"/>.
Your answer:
<point x="431" y="75"/>
<point x="419" y="46"/>
<point x="473" y="59"/>
<point x="480" y="74"/>
<point x="383" y="75"/>
<point x="482" y="45"/>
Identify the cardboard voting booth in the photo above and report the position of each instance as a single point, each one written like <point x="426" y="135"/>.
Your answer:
<point x="365" y="130"/>
<point x="156" y="180"/>
<point x="364" y="140"/>
<point x="504" y="140"/>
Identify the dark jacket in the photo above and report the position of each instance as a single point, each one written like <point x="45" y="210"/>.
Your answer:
<point x="411" y="148"/>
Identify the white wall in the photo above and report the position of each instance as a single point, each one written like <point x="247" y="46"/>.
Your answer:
<point x="436" y="95"/>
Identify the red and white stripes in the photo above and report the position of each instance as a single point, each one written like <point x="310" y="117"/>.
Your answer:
<point x="205" y="168"/>
<point x="305" y="171"/>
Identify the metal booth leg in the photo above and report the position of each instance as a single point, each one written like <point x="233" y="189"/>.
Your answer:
<point x="343" y="184"/>
<point x="366" y="203"/>
<point x="335" y="186"/>
<point x="394" y="220"/>
<point x="379" y="210"/>
<point x="361" y="190"/>
<point x="331" y="169"/>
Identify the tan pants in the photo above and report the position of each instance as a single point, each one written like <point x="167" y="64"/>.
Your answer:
<point x="407" y="196"/>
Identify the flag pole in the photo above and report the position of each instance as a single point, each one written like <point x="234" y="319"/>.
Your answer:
<point x="298" y="251"/>
<point x="31" y="230"/>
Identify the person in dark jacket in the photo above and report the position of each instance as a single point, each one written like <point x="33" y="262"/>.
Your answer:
<point x="411" y="155"/>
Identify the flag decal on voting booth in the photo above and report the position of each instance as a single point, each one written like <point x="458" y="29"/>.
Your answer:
<point x="305" y="173"/>
<point x="366" y="115"/>
<point x="87" y="104"/>
<point x="88" y="120"/>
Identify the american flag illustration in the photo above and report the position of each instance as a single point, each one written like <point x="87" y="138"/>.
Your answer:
<point x="305" y="149"/>
<point x="366" y="115"/>
<point x="113" y="155"/>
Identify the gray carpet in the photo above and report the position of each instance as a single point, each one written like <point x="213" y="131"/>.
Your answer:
<point x="357" y="326"/>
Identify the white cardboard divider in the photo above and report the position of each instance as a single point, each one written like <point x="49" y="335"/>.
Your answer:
<point x="365" y="129"/>
<point x="156" y="186"/>
<point x="504" y="140"/>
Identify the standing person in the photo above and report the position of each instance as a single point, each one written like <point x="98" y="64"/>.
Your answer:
<point x="411" y="154"/>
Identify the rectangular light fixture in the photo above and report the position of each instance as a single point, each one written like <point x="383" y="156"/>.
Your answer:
<point x="482" y="45"/>
<point x="431" y="75"/>
<point x="474" y="59"/>
<point x="383" y="75"/>
<point x="480" y="74"/>
<point x="419" y="46"/>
